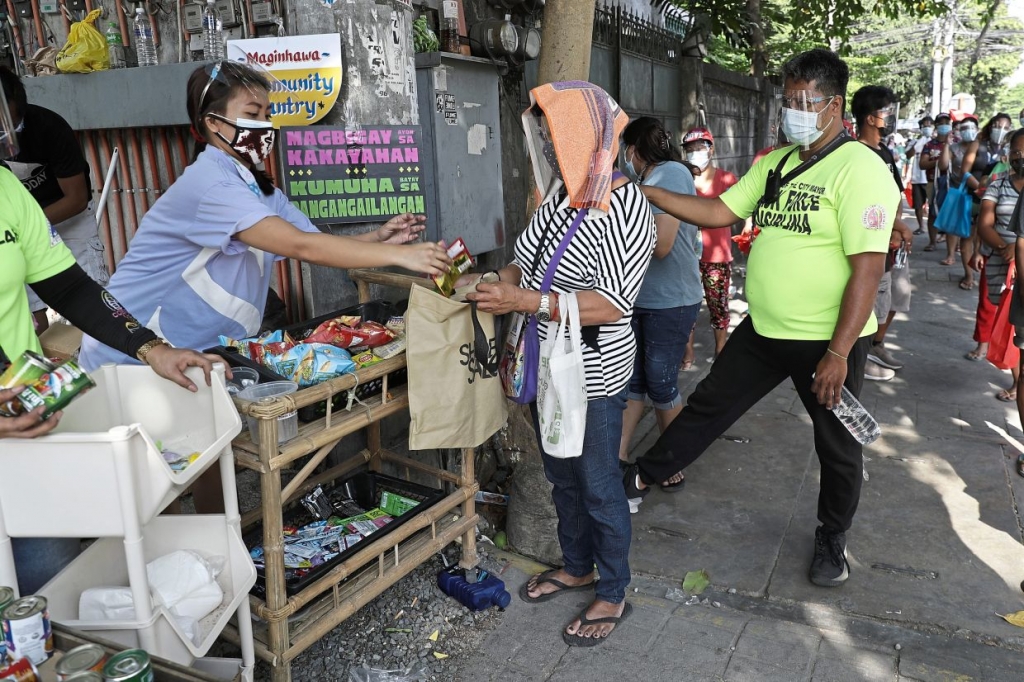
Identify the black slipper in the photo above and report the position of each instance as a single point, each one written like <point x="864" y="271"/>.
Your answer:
<point x="576" y="640"/>
<point x="674" y="487"/>
<point x="524" y="591"/>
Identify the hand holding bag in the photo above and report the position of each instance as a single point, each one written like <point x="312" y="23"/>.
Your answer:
<point x="521" y="351"/>
<point x="1002" y="352"/>
<point x="562" y="384"/>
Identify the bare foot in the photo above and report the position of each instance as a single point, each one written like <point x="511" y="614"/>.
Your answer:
<point x="598" y="609"/>
<point x="536" y="590"/>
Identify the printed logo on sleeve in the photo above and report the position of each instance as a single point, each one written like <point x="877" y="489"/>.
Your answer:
<point x="874" y="217"/>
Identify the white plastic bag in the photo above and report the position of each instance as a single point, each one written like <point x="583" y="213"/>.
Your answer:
<point x="562" y="384"/>
<point x="185" y="583"/>
<point x="106" y="603"/>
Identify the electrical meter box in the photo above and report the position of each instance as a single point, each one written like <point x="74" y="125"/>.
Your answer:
<point x="459" y="115"/>
<point x="228" y="13"/>
<point x="192" y="16"/>
<point x="262" y="13"/>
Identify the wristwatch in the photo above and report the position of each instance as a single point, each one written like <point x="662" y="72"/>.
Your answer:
<point x="145" y="349"/>
<point x="544" y="312"/>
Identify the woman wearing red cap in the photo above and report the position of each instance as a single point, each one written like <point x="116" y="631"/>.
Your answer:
<point x="716" y="260"/>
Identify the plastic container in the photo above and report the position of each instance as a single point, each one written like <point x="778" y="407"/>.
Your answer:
<point x="115" y="46"/>
<point x="857" y="420"/>
<point x="213" y="33"/>
<point x="288" y="424"/>
<point x="476" y="596"/>
<point x="106" y="436"/>
<point x="365" y="489"/>
<point x="104" y="565"/>
<point x="145" y="47"/>
<point x="241" y="379"/>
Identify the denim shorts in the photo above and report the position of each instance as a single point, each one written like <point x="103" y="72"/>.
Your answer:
<point x="661" y="336"/>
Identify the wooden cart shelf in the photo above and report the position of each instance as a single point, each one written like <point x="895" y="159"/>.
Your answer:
<point x="293" y="624"/>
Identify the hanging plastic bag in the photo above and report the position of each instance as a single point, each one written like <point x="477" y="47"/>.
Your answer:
<point x="86" y="49"/>
<point x="954" y="217"/>
<point x="562" y="384"/>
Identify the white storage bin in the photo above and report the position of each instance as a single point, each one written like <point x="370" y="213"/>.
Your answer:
<point x="104" y="565"/>
<point x="69" y="482"/>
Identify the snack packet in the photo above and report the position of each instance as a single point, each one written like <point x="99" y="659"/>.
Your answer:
<point x="462" y="261"/>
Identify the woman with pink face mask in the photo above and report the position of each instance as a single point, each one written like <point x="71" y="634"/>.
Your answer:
<point x="200" y="265"/>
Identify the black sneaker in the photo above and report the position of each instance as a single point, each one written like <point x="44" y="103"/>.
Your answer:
<point x="633" y="493"/>
<point x="829" y="567"/>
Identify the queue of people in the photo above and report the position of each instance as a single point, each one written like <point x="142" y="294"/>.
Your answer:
<point x="650" y="239"/>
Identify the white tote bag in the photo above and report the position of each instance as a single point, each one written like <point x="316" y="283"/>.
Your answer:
<point x="562" y="384"/>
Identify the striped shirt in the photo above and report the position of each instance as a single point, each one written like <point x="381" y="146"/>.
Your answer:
<point x="608" y="255"/>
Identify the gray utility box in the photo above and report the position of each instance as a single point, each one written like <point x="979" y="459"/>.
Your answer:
<point x="459" y="109"/>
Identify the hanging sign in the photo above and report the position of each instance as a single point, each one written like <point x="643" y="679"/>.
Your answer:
<point x="308" y="71"/>
<point x="353" y="175"/>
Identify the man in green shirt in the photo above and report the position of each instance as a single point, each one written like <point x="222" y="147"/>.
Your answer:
<point x="811" y="282"/>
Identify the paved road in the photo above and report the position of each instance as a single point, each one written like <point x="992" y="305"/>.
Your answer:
<point x="936" y="548"/>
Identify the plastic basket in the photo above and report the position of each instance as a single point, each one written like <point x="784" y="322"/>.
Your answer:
<point x="102" y="461"/>
<point x="104" y="565"/>
<point x="375" y="311"/>
<point x="365" y="489"/>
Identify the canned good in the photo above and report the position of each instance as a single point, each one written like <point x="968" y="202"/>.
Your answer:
<point x="85" y="676"/>
<point x="129" y="666"/>
<point x="81" y="659"/>
<point x="26" y="626"/>
<point x="22" y="670"/>
<point x="56" y="389"/>
<point x="26" y="369"/>
<point x="6" y="597"/>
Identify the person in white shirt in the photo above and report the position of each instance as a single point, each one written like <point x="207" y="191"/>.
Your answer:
<point x="922" y="189"/>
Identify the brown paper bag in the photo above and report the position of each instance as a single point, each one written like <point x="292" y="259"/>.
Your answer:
<point x="455" y="397"/>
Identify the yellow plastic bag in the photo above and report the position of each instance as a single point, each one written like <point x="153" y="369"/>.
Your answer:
<point x="86" y="49"/>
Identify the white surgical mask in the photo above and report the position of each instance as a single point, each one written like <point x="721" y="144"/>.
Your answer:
<point x="700" y="159"/>
<point x="801" y="127"/>
<point x="927" y="131"/>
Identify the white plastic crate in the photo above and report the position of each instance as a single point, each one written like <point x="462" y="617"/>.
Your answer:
<point x="104" y="565"/>
<point x="102" y="462"/>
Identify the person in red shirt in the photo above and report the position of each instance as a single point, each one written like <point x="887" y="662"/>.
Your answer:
<point x="716" y="260"/>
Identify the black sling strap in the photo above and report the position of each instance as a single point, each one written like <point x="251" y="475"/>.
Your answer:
<point x="776" y="180"/>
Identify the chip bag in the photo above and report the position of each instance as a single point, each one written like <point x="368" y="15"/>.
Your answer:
<point x="86" y="49"/>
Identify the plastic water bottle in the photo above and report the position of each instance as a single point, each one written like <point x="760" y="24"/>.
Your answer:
<point x="213" y="33"/>
<point x="145" y="48"/>
<point x="485" y="593"/>
<point x="115" y="46"/>
<point x="856" y="419"/>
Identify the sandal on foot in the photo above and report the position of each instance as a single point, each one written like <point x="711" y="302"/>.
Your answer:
<point x="1006" y="396"/>
<point x="576" y="640"/>
<point x="974" y="356"/>
<point x="965" y="285"/>
<point x="674" y="487"/>
<point x="686" y="366"/>
<point x="948" y="261"/>
<point x="1020" y="469"/>
<point x="545" y="577"/>
<point x="930" y="247"/>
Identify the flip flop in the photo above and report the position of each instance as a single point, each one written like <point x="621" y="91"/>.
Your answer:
<point x="674" y="487"/>
<point x="576" y="640"/>
<point x="930" y="247"/>
<point x="946" y="262"/>
<point x="973" y="357"/>
<point x="1004" y="396"/>
<point x="686" y="366"/>
<point x="524" y="591"/>
<point x="965" y="285"/>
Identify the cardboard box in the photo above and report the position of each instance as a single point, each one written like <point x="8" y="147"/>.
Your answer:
<point x="61" y="341"/>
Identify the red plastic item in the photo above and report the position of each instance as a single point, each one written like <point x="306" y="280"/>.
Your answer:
<point x="746" y="240"/>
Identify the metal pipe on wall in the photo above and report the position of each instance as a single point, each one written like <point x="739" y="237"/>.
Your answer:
<point x="127" y="190"/>
<point x="154" y="163"/>
<point x="115" y="186"/>
<point x="172" y="169"/>
<point x="15" y="28"/>
<point x="89" y="137"/>
<point x="122" y="24"/>
<point x="37" y="19"/>
<point x="139" y="188"/>
<point x="66" y="15"/>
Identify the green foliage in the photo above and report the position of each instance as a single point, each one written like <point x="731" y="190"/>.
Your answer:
<point x="1011" y="100"/>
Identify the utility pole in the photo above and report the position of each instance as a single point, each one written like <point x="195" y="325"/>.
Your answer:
<point x="566" y="38"/>
<point x="947" y="62"/>
<point x="938" y="29"/>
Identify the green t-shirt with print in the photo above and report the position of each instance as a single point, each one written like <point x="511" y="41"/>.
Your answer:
<point x="30" y="251"/>
<point x="799" y="267"/>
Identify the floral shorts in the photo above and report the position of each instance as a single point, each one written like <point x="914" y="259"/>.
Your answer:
<point x="716" y="278"/>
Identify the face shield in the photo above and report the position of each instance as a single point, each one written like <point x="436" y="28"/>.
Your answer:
<point x="805" y="116"/>
<point x="888" y="116"/>
<point x="546" y="172"/>
<point x="8" y="135"/>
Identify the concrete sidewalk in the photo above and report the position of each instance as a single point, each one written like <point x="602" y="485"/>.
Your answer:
<point x="936" y="548"/>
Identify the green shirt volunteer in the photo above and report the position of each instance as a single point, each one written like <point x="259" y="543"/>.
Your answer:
<point x="798" y="269"/>
<point x="30" y="251"/>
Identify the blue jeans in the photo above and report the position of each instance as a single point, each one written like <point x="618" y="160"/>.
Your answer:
<point x="593" y="514"/>
<point x="661" y="336"/>
<point x="37" y="560"/>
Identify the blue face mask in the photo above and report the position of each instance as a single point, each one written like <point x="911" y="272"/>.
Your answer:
<point x="629" y="170"/>
<point x="944" y="129"/>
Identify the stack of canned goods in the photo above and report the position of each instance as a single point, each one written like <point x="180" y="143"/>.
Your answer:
<point x="45" y="384"/>
<point x="27" y="642"/>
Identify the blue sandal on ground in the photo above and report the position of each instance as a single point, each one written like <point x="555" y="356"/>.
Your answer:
<point x="576" y="640"/>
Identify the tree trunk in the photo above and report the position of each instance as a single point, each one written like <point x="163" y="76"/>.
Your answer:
<point x="758" y="55"/>
<point x="989" y="18"/>
<point x="565" y="41"/>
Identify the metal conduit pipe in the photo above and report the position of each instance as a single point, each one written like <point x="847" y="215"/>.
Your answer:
<point x="140" y="187"/>
<point x="172" y="171"/>
<point x="127" y="190"/>
<point x="66" y="16"/>
<point x="99" y="172"/>
<point x="116" y="182"/>
<point x="37" y="19"/>
<point x="179" y="137"/>
<point x="15" y="28"/>
<point x="122" y="23"/>
<point x="154" y="163"/>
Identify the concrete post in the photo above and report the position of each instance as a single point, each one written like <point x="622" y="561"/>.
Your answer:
<point x="565" y="41"/>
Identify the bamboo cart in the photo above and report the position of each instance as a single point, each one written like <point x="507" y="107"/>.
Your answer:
<point x="380" y="563"/>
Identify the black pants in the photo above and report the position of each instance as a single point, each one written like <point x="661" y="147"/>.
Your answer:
<point x="749" y="367"/>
